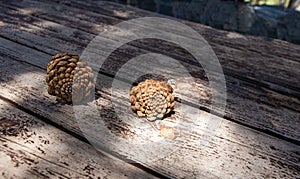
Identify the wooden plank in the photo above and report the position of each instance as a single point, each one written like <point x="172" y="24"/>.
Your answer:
<point x="119" y="11"/>
<point x="242" y="95"/>
<point x="31" y="148"/>
<point x="229" y="47"/>
<point x="237" y="53"/>
<point x="107" y="20"/>
<point x="234" y="151"/>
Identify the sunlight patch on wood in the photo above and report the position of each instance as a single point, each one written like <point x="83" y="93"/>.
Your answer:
<point x="26" y="11"/>
<point x="122" y="13"/>
<point x="232" y="35"/>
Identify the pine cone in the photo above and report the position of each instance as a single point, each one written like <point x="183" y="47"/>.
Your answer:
<point x="153" y="99"/>
<point x="63" y="71"/>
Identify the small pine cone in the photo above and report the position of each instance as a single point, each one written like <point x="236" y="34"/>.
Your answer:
<point x="152" y="99"/>
<point x="63" y="71"/>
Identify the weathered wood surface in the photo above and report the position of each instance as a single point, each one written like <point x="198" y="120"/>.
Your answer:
<point x="243" y="90"/>
<point x="235" y="151"/>
<point x="31" y="148"/>
<point x="230" y="47"/>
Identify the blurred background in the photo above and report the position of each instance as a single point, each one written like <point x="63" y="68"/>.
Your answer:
<point x="270" y="18"/>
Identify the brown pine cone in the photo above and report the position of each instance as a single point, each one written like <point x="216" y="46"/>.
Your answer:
<point x="63" y="71"/>
<point x="152" y="98"/>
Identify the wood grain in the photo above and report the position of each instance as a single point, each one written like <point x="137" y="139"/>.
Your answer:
<point x="234" y="151"/>
<point x="277" y="114"/>
<point x="236" y="52"/>
<point x="31" y="148"/>
<point x="33" y="31"/>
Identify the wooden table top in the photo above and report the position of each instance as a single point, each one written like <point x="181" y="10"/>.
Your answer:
<point x="259" y="135"/>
